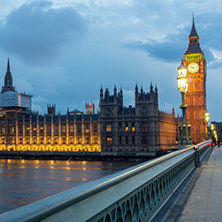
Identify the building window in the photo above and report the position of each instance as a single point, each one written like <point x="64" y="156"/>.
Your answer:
<point x="127" y="140"/>
<point x="71" y="128"/>
<point x="133" y="140"/>
<point x="120" y="140"/>
<point x="108" y="111"/>
<point x="64" y="128"/>
<point x="56" y="129"/>
<point x="126" y="127"/>
<point x="79" y="128"/>
<point x="95" y="128"/>
<point x="108" y="128"/>
<point x="87" y="128"/>
<point x="95" y="139"/>
<point x="87" y="140"/>
<point x="143" y="140"/>
<point x="109" y="140"/>
<point x="79" y="139"/>
<point x="133" y="127"/>
<point x="144" y="110"/>
<point x="144" y="126"/>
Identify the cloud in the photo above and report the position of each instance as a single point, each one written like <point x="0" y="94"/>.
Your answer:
<point x="36" y="32"/>
<point x="37" y="108"/>
<point x="39" y="99"/>
<point x="129" y="97"/>
<point x="169" y="47"/>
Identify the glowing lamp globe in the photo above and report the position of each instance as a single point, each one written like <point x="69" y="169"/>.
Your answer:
<point x="207" y="116"/>
<point x="182" y="70"/>
<point x="182" y="82"/>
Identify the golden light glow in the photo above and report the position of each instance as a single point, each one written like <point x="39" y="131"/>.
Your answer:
<point x="207" y="116"/>
<point x="108" y="128"/>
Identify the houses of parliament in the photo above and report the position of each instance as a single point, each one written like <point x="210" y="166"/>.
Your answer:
<point x="115" y="128"/>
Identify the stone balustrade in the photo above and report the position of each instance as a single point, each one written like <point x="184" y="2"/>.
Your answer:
<point x="135" y="194"/>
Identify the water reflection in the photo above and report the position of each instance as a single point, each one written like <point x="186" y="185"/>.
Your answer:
<point x="26" y="181"/>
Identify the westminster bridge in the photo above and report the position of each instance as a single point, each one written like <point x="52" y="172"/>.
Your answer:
<point x="181" y="186"/>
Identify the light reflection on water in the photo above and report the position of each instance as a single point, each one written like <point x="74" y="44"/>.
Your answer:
<point x="26" y="181"/>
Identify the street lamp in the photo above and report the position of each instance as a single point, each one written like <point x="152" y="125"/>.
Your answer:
<point x="207" y="117"/>
<point x="212" y="129"/>
<point x="182" y="84"/>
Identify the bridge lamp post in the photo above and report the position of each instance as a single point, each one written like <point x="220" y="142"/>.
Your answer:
<point x="212" y="129"/>
<point x="207" y="117"/>
<point x="182" y="84"/>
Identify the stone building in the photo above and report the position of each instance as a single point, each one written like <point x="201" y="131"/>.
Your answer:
<point x="195" y="98"/>
<point x="115" y="128"/>
<point x="135" y="129"/>
<point x="23" y="130"/>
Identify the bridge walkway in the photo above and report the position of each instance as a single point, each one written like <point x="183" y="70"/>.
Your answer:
<point x="200" y="199"/>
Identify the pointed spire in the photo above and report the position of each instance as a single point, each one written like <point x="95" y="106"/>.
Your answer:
<point x="156" y="89"/>
<point x="8" y="67"/>
<point x="115" y="90"/>
<point x="141" y="90"/>
<point x="193" y="32"/>
<point x="151" y="87"/>
<point x="193" y="46"/>
<point x="136" y="88"/>
<point x="8" y="81"/>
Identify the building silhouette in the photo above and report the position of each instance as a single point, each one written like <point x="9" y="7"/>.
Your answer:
<point x="195" y="98"/>
<point x="142" y="128"/>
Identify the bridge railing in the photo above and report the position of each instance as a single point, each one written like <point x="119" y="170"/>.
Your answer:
<point x="135" y="194"/>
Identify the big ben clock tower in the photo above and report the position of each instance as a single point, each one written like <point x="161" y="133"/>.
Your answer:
<point x="196" y="95"/>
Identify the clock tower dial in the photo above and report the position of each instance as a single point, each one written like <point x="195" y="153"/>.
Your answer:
<point x="193" y="67"/>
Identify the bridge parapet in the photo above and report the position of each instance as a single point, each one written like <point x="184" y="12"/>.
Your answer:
<point x="135" y="194"/>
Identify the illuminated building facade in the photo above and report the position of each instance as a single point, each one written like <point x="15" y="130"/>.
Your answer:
<point x="142" y="128"/>
<point x="195" y="98"/>
<point x="23" y="130"/>
<point x="115" y="128"/>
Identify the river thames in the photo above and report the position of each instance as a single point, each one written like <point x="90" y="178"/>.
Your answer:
<point x="26" y="181"/>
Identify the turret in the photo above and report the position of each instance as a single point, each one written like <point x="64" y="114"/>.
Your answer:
<point x="101" y="93"/>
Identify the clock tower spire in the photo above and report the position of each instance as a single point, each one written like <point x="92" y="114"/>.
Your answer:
<point x="196" y="95"/>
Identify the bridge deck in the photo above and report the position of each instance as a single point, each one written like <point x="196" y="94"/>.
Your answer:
<point x="201" y="199"/>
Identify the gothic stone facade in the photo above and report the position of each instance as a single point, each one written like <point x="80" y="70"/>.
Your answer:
<point x="135" y="129"/>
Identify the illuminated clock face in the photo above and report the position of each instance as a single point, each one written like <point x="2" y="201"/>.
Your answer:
<point x="193" y="67"/>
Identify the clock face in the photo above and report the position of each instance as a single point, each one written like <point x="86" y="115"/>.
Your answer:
<point x="193" y="67"/>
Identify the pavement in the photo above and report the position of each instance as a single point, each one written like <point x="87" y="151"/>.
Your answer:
<point x="201" y="199"/>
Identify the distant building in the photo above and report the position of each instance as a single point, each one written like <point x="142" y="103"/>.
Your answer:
<point x="89" y="107"/>
<point x="10" y="98"/>
<point x="51" y="109"/>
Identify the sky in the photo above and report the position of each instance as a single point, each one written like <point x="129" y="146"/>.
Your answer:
<point x="62" y="52"/>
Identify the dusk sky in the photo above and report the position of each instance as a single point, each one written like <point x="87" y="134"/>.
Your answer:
<point x="62" y="52"/>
